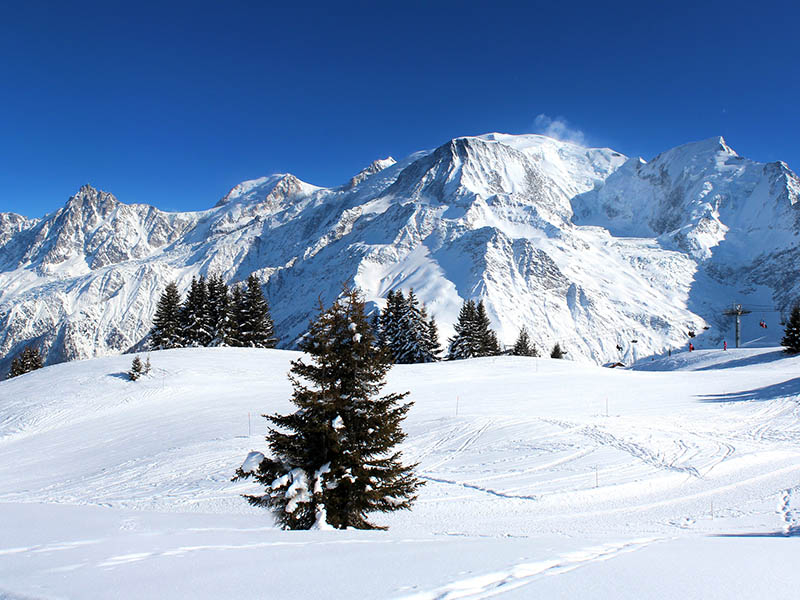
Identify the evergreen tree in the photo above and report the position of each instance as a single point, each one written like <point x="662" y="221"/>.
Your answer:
<point x="375" y="324"/>
<point x="195" y="327"/>
<point x="166" y="331"/>
<point x="335" y="459"/>
<point x="28" y="360"/>
<point x="414" y="344"/>
<point x="523" y="347"/>
<point x="32" y="359"/>
<point x="474" y="336"/>
<point x="462" y="344"/>
<point x="391" y="329"/>
<point x="219" y="312"/>
<point x="256" y="328"/>
<point x="433" y="346"/>
<point x="404" y="330"/>
<point x="486" y="337"/>
<point x="557" y="352"/>
<point x="16" y="368"/>
<point x="239" y="316"/>
<point x="791" y="334"/>
<point x="136" y="369"/>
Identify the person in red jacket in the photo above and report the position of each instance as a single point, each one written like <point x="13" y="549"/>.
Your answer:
<point x="724" y="345"/>
<point x="691" y="346"/>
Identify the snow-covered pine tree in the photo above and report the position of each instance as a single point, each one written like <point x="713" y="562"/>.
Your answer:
<point x="414" y="346"/>
<point x="32" y="359"/>
<point x="375" y="324"/>
<point x="462" y="344"/>
<point x="523" y="346"/>
<point x="137" y="368"/>
<point x="166" y="331"/>
<point x="791" y="334"/>
<point x="334" y="461"/>
<point x="432" y="340"/>
<point x="16" y="368"/>
<point x="195" y="327"/>
<point x="557" y="352"/>
<point x="392" y="330"/>
<point x="218" y="311"/>
<point x="239" y="315"/>
<point x="28" y="360"/>
<point x="487" y="344"/>
<point x="256" y="328"/>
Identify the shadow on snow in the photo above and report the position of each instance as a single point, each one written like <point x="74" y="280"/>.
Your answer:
<point x="748" y="361"/>
<point x="790" y="387"/>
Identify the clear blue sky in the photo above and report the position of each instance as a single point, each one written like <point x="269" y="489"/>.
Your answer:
<point x="173" y="103"/>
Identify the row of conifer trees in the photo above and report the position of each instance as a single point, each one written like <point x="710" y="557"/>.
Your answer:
<point x="213" y="315"/>
<point x="404" y="329"/>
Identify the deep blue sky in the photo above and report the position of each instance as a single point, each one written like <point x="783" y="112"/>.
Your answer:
<point x="174" y="103"/>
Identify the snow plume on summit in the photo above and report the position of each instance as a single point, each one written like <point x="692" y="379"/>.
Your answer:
<point x="613" y="257"/>
<point x="558" y="128"/>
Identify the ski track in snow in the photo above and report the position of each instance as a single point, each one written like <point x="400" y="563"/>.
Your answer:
<point x="501" y="582"/>
<point x="519" y="461"/>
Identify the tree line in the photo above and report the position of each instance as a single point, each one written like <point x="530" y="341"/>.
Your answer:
<point x="213" y="315"/>
<point x="404" y="330"/>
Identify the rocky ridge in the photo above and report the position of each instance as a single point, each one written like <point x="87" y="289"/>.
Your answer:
<point x="581" y="245"/>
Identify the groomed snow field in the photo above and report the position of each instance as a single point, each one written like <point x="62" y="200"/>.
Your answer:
<point x="544" y="479"/>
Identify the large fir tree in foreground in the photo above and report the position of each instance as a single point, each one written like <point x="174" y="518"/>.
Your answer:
<point x="791" y="334"/>
<point x="334" y="460"/>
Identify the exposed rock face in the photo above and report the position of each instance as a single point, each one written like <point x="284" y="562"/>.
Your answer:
<point x="581" y="245"/>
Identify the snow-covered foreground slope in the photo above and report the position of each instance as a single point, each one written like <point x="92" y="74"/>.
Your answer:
<point x="544" y="479"/>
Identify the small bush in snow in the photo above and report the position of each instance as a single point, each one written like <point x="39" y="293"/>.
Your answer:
<point x="137" y="369"/>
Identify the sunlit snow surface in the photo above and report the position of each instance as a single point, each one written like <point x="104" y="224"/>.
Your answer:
<point x="544" y="479"/>
<point x="583" y="246"/>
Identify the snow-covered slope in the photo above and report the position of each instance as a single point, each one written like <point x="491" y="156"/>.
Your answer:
<point x="544" y="478"/>
<point x="581" y="245"/>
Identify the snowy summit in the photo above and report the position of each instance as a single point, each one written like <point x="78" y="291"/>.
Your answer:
<point x="582" y="246"/>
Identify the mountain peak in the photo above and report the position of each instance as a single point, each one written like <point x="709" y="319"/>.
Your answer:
<point x="89" y="196"/>
<point x="710" y="146"/>
<point x="376" y="166"/>
<point x="278" y="185"/>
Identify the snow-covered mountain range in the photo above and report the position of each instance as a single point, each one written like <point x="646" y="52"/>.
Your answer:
<point x="582" y="245"/>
